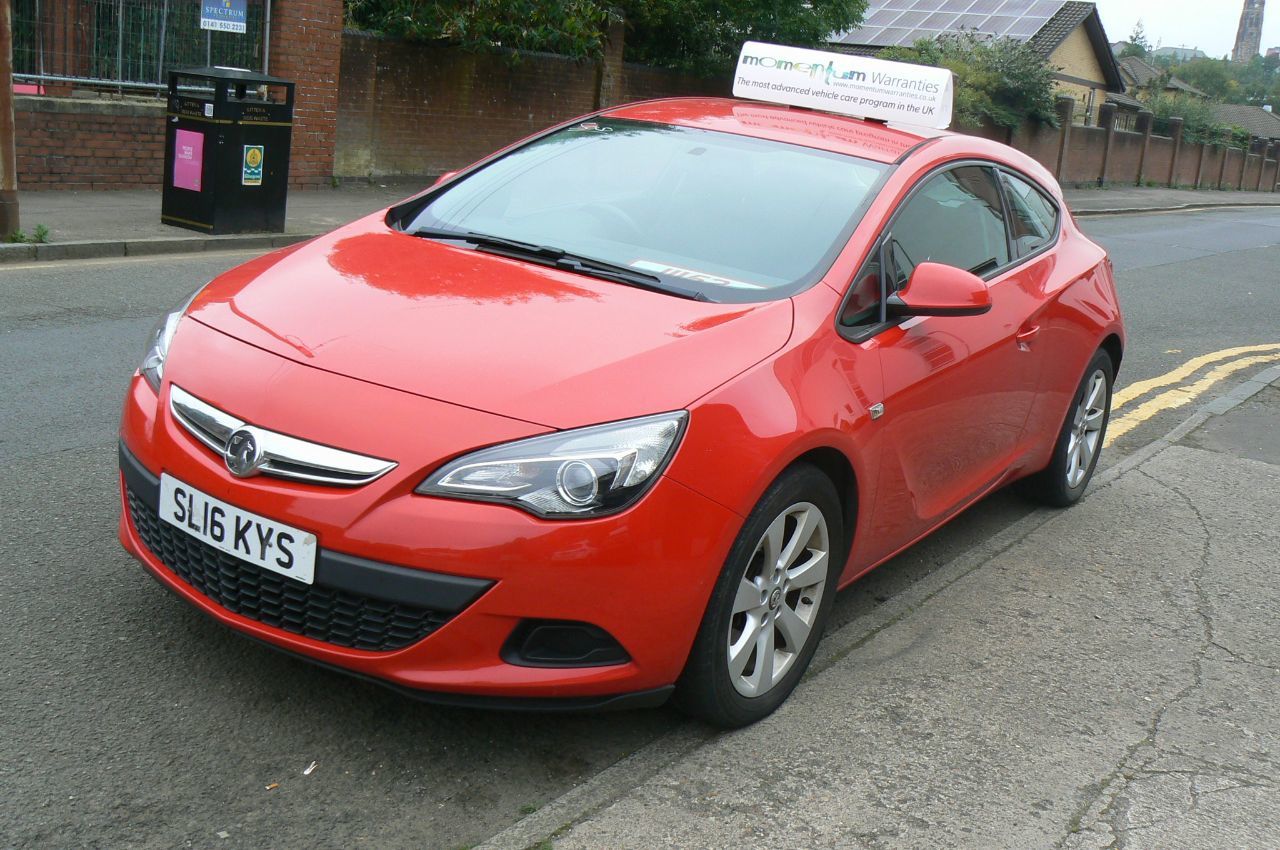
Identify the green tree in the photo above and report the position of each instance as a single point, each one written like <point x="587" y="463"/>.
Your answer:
<point x="705" y="35"/>
<point x="1001" y="81"/>
<point x="570" y="27"/>
<point x="1200" y="122"/>
<point x="691" y="35"/>
<point x="1214" y="77"/>
<point x="1139" y="45"/>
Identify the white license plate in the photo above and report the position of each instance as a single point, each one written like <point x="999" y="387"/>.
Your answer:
<point x="262" y="542"/>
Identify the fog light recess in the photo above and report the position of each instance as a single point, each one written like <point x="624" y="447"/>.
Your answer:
<point x="561" y="643"/>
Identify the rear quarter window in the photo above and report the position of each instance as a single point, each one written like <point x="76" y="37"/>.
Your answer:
<point x="1033" y="218"/>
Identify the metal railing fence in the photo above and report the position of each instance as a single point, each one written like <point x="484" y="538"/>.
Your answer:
<point x="125" y="43"/>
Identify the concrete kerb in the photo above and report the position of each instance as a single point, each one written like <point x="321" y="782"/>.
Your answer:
<point x="1181" y="208"/>
<point x="610" y="785"/>
<point x="22" y="253"/>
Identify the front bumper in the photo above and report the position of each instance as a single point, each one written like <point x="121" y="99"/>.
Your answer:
<point x="479" y="570"/>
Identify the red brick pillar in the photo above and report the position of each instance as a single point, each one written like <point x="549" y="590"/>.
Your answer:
<point x="306" y="47"/>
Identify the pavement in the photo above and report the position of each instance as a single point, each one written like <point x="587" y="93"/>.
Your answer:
<point x="85" y="225"/>
<point x="1099" y="677"/>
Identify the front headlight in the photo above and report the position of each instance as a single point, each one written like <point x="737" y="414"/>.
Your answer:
<point x="152" y="367"/>
<point x="587" y="472"/>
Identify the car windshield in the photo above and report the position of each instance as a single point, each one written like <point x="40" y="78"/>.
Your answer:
<point x="735" y="217"/>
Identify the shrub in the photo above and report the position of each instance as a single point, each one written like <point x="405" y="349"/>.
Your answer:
<point x="1001" y="81"/>
<point x="1200" y="123"/>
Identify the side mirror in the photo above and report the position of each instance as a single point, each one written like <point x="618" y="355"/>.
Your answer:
<point x="443" y="177"/>
<point x="938" y="290"/>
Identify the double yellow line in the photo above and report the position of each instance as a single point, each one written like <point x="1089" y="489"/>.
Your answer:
<point x="1236" y="359"/>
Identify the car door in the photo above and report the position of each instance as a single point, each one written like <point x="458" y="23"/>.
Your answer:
<point x="957" y="390"/>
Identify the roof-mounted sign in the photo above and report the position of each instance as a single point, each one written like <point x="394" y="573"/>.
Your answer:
<point x="849" y="85"/>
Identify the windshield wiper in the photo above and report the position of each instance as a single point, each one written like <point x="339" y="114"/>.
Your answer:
<point x="561" y="259"/>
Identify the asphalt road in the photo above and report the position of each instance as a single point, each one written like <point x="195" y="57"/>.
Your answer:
<point x="128" y="719"/>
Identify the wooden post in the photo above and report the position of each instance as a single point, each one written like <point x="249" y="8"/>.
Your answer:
<point x="1226" y="153"/>
<point x="1143" y="126"/>
<point x="1264" y="145"/>
<point x="1066" y="107"/>
<point x="8" y="156"/>
<point x="1244" y="164"/>
<point x="1107" y="121"/>
<point x="1175" y="130"/>
<point x="1204" y="152"/>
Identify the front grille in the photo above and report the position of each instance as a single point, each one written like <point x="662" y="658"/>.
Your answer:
<point x="321" y="613"/>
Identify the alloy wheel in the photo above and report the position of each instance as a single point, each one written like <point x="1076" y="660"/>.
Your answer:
<point x="1086" y="429"/>
<point x="777" y="599"/>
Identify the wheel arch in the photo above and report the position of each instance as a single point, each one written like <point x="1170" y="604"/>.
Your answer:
<point x="1115" y="350"/>
<point x="834" y="464"/>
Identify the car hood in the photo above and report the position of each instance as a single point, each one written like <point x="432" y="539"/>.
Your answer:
<point x="503" y="336"/>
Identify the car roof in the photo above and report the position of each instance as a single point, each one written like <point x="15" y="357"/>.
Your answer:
<point x="872" y="140"/>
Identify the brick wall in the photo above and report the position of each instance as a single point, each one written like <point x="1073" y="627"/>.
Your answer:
<point x="65" y="143"/>
<point x="641" y="82"/>
<point x="1082" y="165"/>
<point x="69" y="143"/>
<point x="306" y="39"/>
<point x="420" y="110"/>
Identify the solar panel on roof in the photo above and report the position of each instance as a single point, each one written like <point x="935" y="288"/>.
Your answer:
<point x="985" y="6"/>
<point x="939" y="21"/>
<point x="997" y="24"/>
<point x="1016" y="8"/>
<point x="891" y="22"/>
<point x="1024" y="28"/>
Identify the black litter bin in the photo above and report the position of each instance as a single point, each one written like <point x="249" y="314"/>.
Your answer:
<point x="226" y="164"/>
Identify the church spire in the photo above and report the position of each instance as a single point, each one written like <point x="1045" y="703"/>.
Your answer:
<point x="1249" y="36"/>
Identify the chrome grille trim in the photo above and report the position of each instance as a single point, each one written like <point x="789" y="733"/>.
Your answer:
<point x="283" y="456"/>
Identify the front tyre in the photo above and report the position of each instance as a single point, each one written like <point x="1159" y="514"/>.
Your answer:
<point x="1079" y="445"/>
<point x="769" y="605"/>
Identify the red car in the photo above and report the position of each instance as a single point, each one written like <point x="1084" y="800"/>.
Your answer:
<point x="611" y="415"/>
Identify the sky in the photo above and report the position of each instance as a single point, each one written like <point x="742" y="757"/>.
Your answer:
<point x="1207" y="24"/>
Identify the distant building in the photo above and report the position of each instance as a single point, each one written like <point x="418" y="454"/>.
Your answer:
<point x="1140" y="74"/>
<point x="1179" y="54"/>
<point x="1068" y="34"/>
<point x="1117" y="47"/>
<point x="1273" y="51"/>
<point x="1249" y="35"/>
<point x="1258" y="121"/>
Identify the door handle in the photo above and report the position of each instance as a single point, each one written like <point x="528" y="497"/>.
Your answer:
<point x="1026" y="335"/>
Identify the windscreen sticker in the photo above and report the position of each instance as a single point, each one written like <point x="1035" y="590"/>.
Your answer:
<point x="690" y="274"/>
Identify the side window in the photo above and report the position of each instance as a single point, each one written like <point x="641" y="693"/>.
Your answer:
<point x="1033" y="219"/>
<point x="956" y="218"/>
